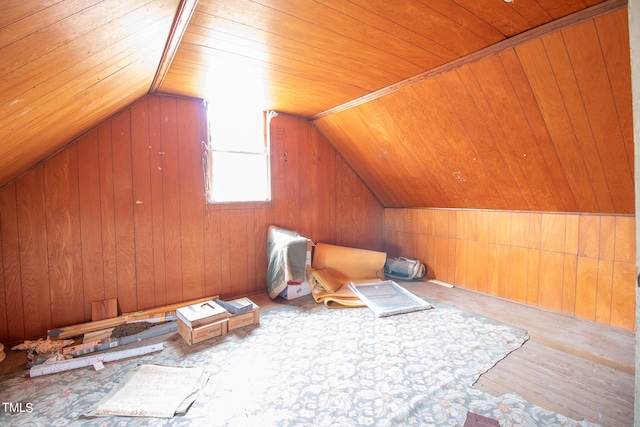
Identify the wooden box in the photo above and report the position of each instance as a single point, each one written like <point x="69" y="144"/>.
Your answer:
<point x="202" y="333"/>
<point x="246" y="319"/>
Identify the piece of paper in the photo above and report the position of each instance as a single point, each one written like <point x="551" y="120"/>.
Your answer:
<point x="153" y="391"/>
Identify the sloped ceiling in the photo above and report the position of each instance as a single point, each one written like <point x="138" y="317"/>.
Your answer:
<point x="544" y="125"/>
<point x="69" y="64"/>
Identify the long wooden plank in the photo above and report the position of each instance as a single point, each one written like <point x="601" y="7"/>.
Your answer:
<point x="123" y="212"/>
<point x="63" y="238"/>
<point x="90" y="219"/>
<point x="226" y="273"/>
<point x="552" y="227"/>
<point x="171" y="199"/>
<point x="107" y="211"/>
<point x="238" y="256"/>
<point x="213" y="252"/>
<point x="4" y="336"/>
<point x="82" y="328"/>
<point x="607" y="237"/>
<point x="167" y="308"/>
<point x="347" y="205"/>
<point x="192" y="128"/>
<point x="34" y="273"/>
<point x="261" y="228"/>
<point x="14" y="314"/>
<point x="250" y="285"/>
<point x="143" y="204"/>
<point x="157" y="200"/>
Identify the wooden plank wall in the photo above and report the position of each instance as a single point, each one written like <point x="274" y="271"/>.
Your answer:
<point x="121" y="213"/>
<point x="582" y="265"/>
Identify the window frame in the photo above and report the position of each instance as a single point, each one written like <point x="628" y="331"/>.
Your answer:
<point x="209" y="174"/>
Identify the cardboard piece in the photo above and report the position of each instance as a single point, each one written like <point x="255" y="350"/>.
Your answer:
<point x="245" y="319"/>
<point x="203" y="333"/>
<point x="201" y="314"/>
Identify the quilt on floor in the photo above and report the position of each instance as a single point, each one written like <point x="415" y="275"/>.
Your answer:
<point x="306" y="365"/>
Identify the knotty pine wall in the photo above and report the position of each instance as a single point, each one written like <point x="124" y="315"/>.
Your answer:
<point x="121" y="213"/>
<point x="582" y="265"/>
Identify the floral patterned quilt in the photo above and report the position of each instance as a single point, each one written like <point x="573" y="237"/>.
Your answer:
<point x="306" y="365"/>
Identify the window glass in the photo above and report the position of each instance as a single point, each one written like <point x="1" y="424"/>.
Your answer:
<point x="237" y="159"/>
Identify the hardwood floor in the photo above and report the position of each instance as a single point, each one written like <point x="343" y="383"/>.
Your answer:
<point x="576" y="368"/>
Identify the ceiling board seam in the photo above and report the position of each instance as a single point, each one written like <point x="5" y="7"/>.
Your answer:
<point x="179" y="27"/>
<point x="557" y="25"/>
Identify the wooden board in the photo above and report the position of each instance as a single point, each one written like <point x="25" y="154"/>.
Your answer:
<point x="104" y="309"/>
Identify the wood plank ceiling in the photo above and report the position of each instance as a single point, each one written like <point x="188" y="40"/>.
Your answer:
<point x="69" y="64"/>
<point x="313" y="55"/>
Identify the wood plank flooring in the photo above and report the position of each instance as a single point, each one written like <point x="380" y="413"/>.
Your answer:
<point x="576" y="368"/>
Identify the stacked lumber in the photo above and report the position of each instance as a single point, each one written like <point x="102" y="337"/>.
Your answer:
<point x="158" y="314"/>
<point x="106" y="331"/>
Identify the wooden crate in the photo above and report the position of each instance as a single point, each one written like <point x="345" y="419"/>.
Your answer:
<point x="194" y="336"/>
<point x="246" y="319"/>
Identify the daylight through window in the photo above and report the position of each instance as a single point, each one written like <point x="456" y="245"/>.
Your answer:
<point x="237" y="158"/>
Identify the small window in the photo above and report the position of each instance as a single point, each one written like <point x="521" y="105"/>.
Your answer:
<point x="237" y="155"/>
